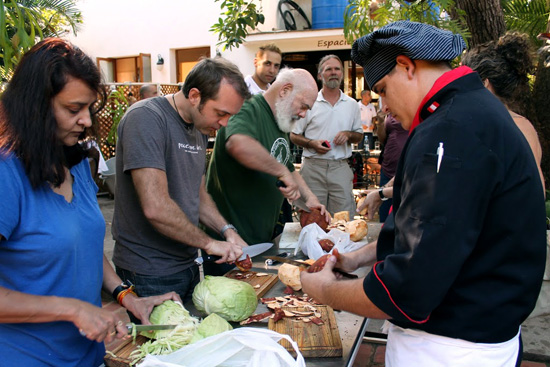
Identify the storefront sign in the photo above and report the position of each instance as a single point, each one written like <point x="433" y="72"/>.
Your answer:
<point x="337" y="43"/>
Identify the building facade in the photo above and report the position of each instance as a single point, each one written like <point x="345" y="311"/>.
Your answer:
<point x="159" y="42"/>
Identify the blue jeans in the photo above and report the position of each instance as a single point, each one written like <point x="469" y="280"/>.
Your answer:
<point x="386" y="205"/>
<point x="183" y="283"/>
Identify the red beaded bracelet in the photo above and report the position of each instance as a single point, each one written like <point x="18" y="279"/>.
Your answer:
<point x="124" y="293"/>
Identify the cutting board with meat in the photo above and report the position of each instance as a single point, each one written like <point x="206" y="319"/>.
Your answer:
<point x="261" y="282"/>
<point x="318" y="336"/>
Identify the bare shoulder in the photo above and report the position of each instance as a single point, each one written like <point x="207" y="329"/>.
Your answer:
<point x="528" y="130"/>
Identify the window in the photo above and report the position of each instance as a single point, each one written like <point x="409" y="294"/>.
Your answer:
<point x="187" y="58"/>
<point x="133" y="69"/>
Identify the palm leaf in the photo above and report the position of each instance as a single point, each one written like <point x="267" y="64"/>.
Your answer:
<point x="24" y="22"/>
<point x="527" y="16"/>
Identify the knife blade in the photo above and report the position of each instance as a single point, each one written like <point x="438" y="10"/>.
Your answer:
<point x="306" y="266"/>
<point x="252" y="250"/>
<point x="131" y="327"/>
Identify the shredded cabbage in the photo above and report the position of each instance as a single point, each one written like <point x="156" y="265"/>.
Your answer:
<point x="167" y="341"/>
<point x="170" y="313"/>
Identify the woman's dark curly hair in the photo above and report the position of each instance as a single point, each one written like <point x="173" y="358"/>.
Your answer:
<point x="27" y="123"/>
<point x="506" y="63"/>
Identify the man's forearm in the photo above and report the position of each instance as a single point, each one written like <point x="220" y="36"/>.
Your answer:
<point x="349" y="295"/>
<point x="300" y="140"/>
<point x="305" y="191"/>
<point x="251" y="154"/>
<point x="162" y="212"/>
<point x="355" y="137"/>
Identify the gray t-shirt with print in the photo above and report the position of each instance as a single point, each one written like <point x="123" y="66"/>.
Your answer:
<point x="152" y="135"/>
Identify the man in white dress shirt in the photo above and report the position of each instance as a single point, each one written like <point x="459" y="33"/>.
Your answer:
<point x="326" y="134"/>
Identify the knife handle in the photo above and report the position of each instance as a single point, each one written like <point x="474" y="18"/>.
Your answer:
<point x="270" y="262"/>
<point x="346" y="275"/>
<point x="210" y="258"/>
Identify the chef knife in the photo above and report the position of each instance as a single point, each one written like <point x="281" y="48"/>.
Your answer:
<point x="252" y="250"/>
<point x="305" y="265"/>
<point x="131" y="327"/>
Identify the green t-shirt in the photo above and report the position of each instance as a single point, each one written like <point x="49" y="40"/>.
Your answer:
<point x="246" y="198"/>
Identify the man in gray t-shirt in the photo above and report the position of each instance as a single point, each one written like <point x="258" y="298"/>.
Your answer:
<point x="160" y="193"/>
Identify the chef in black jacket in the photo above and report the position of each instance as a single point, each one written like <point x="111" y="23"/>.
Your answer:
<point x="458" y="264"/>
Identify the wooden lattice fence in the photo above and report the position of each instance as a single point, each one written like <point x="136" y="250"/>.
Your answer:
<point x="105" y="119"/>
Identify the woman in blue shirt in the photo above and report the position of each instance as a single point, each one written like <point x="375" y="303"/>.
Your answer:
<point x="52" y="267"/>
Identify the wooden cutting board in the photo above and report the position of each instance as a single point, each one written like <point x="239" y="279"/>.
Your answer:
<point x="313" y="340"/>
<point x="261" y="284"/>
<point x="122" y="353"/>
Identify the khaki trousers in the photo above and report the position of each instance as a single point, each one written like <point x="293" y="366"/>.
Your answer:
<point x="332" y="182"/>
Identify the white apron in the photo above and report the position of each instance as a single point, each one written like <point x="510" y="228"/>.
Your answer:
<point x="416" y="348"/>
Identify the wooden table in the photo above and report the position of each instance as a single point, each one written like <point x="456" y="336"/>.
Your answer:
<point x="350" y="326"/>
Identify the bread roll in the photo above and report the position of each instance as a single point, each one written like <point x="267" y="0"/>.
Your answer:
<point x="290" y="275"/>
<point x="357" y="229"/>
<point x="344" y="215"/>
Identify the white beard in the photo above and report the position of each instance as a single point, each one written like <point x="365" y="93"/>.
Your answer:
<point x="283" y="109"/>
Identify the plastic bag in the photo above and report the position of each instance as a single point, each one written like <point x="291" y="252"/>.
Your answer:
<point x="310" y="235"/>
<point x="246" y="347"/>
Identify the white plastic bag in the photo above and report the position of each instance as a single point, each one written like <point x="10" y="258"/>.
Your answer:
<point x="246" y="347"/>
<point x="310" y="235"/>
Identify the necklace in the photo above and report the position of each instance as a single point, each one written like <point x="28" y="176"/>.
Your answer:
<point x="185" y="124"/>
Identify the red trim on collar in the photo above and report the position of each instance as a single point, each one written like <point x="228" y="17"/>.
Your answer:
<point x="439" y="84"/>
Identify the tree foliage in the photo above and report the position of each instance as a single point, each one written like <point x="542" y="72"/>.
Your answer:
<point x="527" y="16"/>
<point x="234" y="24"/>
<point x="116" y="105"/>
<point x="364" y="16"/>
<point x="25" y="22"/>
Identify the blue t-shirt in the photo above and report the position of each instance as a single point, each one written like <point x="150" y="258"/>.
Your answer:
<point x="51" y="248"/>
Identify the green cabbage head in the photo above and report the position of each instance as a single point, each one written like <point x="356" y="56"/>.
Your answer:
<point x="211" y="325"/>
<point x="229" y="298"/>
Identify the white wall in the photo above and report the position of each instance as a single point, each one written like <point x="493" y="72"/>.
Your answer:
<point x="118" y="28"/>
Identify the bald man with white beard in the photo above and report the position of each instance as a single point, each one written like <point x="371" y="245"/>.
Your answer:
<point x="252" y="153"/>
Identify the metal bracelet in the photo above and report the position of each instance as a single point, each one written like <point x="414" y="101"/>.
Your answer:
<point x="226" y="227"/>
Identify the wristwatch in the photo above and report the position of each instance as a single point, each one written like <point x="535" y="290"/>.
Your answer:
<point x="226" y="227"/>
<point x="122" y="287"/>
<point x="381" y="193"/>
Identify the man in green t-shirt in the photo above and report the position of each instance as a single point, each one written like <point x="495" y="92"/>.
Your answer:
<point x="253" y="152"/>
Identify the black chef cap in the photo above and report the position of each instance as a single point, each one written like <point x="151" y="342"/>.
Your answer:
<point x="376" y="52"/>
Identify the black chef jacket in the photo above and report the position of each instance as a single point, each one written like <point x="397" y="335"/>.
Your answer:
<point x="463" y="253"/>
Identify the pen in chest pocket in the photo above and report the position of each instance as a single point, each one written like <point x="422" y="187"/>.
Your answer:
<point x="440" y="152"/>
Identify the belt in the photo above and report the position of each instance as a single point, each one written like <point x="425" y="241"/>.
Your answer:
<point x="325" y="160"/>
